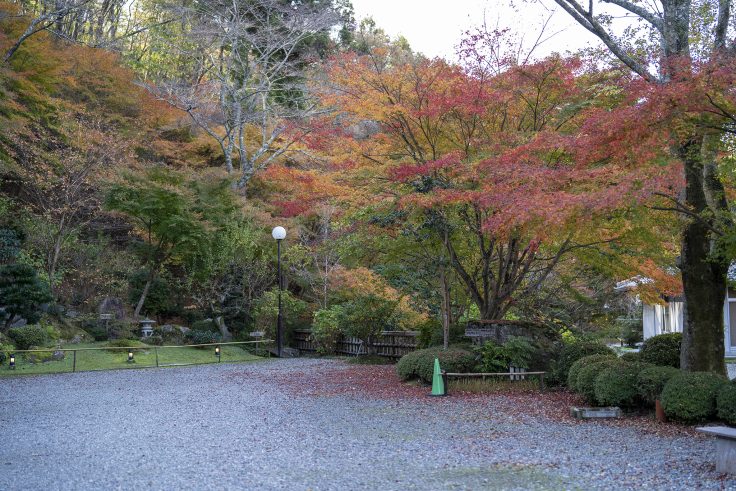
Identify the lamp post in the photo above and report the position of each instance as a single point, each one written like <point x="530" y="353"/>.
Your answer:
<point x="279" y="233"/>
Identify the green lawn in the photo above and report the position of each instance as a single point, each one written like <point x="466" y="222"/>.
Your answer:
<point x="88" y="360"/>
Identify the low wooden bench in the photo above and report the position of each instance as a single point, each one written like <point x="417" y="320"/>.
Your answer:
<point x="511" y="375"/>
<point x="725" y="447"/>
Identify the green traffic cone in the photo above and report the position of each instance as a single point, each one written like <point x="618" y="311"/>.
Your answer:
<point x="438" y="385"/>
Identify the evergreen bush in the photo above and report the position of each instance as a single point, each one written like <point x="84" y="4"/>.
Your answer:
<point x="27" y="336"/>
<point x="617" y="385"/>
<point x="572" y="352"/>
<point x="420" y="364"/>
<point x="652" y="380"/>
<point x="587" y="375"/>
<point x="202" y="337"/>
<point x="726" y="403"/>
<point x="691" y="396"/>
<point x="662" y="350"/>
<point x="633" y="356"/>
<point x="22" y="293"/>
<point x="572" y="374"/>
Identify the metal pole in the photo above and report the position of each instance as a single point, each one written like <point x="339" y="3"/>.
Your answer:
<point x="74" y="363"/>
<point x="155" y="349"/>
<point x="279" y="325"/>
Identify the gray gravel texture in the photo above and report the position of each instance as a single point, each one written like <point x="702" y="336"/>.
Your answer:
<point x="237" y="427"/>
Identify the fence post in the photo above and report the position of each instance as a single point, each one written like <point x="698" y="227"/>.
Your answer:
<point x="541" y="382"/>
<point x="74" y="362"/>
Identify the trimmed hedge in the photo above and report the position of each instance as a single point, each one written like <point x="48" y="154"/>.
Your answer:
<point x="572" y="374"/>
<point x="632" y="356"/>
<point x="616" y="385"/>
<point x="572" y="352"/>
<point x="27" y="336"/>
<point x="726" y="403"/>
<point x="420" y="364"/>
<point x="690" y="397"/>
<point x="202" y="337"/>
<point x="585" y="383"/>
<point x="652" y="380"/>
<point x="662" y="350"/>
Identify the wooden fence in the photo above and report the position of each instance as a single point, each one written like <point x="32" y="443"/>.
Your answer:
<point x="390" y="344"/>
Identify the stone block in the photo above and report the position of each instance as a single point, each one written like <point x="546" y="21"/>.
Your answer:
<point x="595" y="412"/>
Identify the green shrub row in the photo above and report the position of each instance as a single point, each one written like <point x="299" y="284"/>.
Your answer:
<point x="687" y="397"/>
<point x="419" y="364"/>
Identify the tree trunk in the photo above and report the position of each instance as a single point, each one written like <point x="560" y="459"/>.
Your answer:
<point x="144" y="293"/>
<point x="220" y="323"/>
<point x="704" y="277"/>
<point x="446" y="305"/>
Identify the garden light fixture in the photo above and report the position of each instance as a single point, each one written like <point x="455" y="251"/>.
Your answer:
<point x="12" y="361"/>
<point x="217" y="353"/>
<point x="279" y="233"/>
<point x="130" y="356"/>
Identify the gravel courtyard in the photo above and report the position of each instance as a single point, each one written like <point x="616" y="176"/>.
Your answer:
<point x="320" y="424"/>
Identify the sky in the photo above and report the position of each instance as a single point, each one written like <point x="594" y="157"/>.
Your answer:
<point x="434" y="27"/>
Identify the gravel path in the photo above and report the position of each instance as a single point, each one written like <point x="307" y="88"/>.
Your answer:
<point x="319" y="424"/>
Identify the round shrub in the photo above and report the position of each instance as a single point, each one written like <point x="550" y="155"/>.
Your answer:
<point x="420" y="364"/>
<point x="205" y="325"/>
<point x="691" y="396"/>
<point x="663" y="350"/>
<point x="572" y="352"/>
<point x="572" y="374"/>
<point x="154" y="340"/>
<point x="27" y="336"/>
<point x="616" y="386"/>
<point x="652" y="380"/>
<point x="633" y="356"/>
<point x="585" y="383"/>
<point x="726" y="403"/>
<point x="202" y="337"/>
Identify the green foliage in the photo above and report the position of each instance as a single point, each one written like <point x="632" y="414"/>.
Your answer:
<point x="367" y="316"/>
<point x="27" y="336"/>
<point x="10" y="242"/>
<point x="519" y="352"/>
<point x="154" y="340"/>
<point x="205" y="325"/>
<point x="617" y="385"/>
<point x="5" y="351"/>
<point x="572" y="352"/>
<point x="633" y="356"/>
<point x="21" y="293"/>
<point x="726" y="403"/>
<point x="572" y="374"/>
<point x="587" y="375"/>
<point x="492" y="357"/>
<point x="690" y="397"/>
<point x="663" y="350"/>
<point x="651" y="382"/>
<point x="420" y="364"/>
<point x="162" y="299"/>
<point x="266" y="311"/>
<point x="516" y="352"/>
<point x="202" y="337"/>
<point x="431" y="333"/>
<point x="327" y="328"/>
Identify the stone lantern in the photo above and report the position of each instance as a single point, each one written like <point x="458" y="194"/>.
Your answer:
<point x="147" y="327"/>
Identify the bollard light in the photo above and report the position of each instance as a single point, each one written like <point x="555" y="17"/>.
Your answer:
<point x="130" y="356"/>
<point x="12" y="361"/>
<point x="217" y="352"/>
